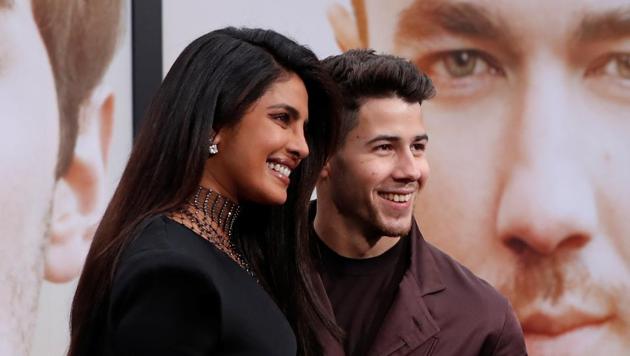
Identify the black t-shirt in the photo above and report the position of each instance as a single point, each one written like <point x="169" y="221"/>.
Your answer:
<point x="362" y="290"/>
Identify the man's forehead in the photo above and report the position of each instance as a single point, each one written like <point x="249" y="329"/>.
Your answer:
<point x="389" y="117"/>
<point x="492" y="7"/>
<point x="493" y="19"/>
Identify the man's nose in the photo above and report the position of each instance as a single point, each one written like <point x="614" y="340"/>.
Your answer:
<point x="547" y="202"/>
<point x="409" y="167"/>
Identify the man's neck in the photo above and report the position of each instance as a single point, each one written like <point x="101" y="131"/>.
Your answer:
<point x="348" y="239"/>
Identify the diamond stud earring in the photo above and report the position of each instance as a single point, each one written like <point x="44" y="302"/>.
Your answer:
<point x="213" y="149"/>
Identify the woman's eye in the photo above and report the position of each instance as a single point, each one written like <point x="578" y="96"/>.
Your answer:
<point x="284" y="118"/>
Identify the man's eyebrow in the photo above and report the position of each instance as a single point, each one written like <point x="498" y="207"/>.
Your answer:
<point x="423" y="137"/>
<point x="392" y="138"/>
<point x="6" y="5"/>
<point x="425" y="18"/>
<point x="604" y="25"/>
<point x="389" y="138"/>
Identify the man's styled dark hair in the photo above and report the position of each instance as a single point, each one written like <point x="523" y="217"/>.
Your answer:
<point x="362" y="74"/>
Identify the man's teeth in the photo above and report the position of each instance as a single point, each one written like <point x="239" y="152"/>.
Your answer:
<point x="280" y="168"/>
<point x="398" y="198"/>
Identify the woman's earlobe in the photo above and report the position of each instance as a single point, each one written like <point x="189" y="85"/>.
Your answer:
<point x="213" y="144"/>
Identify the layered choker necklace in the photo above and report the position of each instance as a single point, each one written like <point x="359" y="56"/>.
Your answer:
<point x="212" y="216"/>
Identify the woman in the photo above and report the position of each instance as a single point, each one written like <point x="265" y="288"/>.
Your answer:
<point x="196" y="230"/>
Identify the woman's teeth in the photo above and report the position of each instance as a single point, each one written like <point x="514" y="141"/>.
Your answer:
<point x="398" y="198"/>
<point x="280" y="168"/>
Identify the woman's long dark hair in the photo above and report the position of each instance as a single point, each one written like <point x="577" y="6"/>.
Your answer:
<point x="211" y="85"/>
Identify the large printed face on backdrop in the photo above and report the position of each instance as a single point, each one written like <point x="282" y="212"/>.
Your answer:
<point x="45" y="220"/>
<point x="30" y="143"/>
<point x="530" y="152"/>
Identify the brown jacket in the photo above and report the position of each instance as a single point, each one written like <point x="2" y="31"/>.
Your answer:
<point x="441" y="308"/>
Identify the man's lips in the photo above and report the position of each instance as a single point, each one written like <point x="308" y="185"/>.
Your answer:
<point x="397" y="197"/>
<point x="555" y="319"/>
<point x="572" y="326"/>
<point x="400" y="195"/>
<point x="583" y="340"/>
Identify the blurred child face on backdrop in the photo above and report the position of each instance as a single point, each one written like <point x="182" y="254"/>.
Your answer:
<point x="30" y="142"/>
<point x="47" y="214"/>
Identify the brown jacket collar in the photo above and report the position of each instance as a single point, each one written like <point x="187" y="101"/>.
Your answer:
<point x="408" y="323"/>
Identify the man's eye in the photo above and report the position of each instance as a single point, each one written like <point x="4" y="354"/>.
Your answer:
<point x="461" y="72"/>
<point x="609" y="75"/>
<point x="419" y="146"/>
<point x="384" y="147"/>
<point x="463" y="63"/>
<point x="617" y="65"/>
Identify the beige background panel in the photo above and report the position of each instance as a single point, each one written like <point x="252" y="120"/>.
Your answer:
<point x="304" y="21"/>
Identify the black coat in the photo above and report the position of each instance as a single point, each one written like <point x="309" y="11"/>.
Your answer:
<point x="175" y="293"/>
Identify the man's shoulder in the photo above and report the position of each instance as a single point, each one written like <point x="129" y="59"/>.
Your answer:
<point x="466" y="297"/>
<point x="471" y="309"/>
<point x="460" y="280"/>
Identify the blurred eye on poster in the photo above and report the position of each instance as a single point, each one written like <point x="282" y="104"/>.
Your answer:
<point x="529" y="156"/>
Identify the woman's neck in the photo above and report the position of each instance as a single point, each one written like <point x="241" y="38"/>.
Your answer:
<point x="216" y="207"/>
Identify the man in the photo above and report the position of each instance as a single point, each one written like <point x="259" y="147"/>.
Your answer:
<point x="56" y="126"/>
<point x="390" y="291"/>
<point x="531" y="160"/>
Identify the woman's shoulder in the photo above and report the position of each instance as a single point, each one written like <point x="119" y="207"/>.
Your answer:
<point x="161" y="294"/>
<point x="156" y="233"/>
<point x="162" y="256"/>
<point x="163" y="244"/>
<point x="159" y="235"/>
<point x="171" y="284"/>
<point x="157" y="245"/>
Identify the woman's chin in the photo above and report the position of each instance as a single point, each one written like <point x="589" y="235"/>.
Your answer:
<point x="272" y="198"/>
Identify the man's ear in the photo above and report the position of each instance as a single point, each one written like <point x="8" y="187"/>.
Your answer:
<point x="325" y="173"/>
<point x="80" y="194"/>
<point x="345" y="27"/>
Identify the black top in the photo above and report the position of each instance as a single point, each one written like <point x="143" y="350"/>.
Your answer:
<point x="362" y="290"/>
<point x="174" y="293"/>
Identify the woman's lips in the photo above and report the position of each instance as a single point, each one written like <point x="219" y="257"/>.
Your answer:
<point x="281" y="168"/>
<point x="280" y="171"/>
